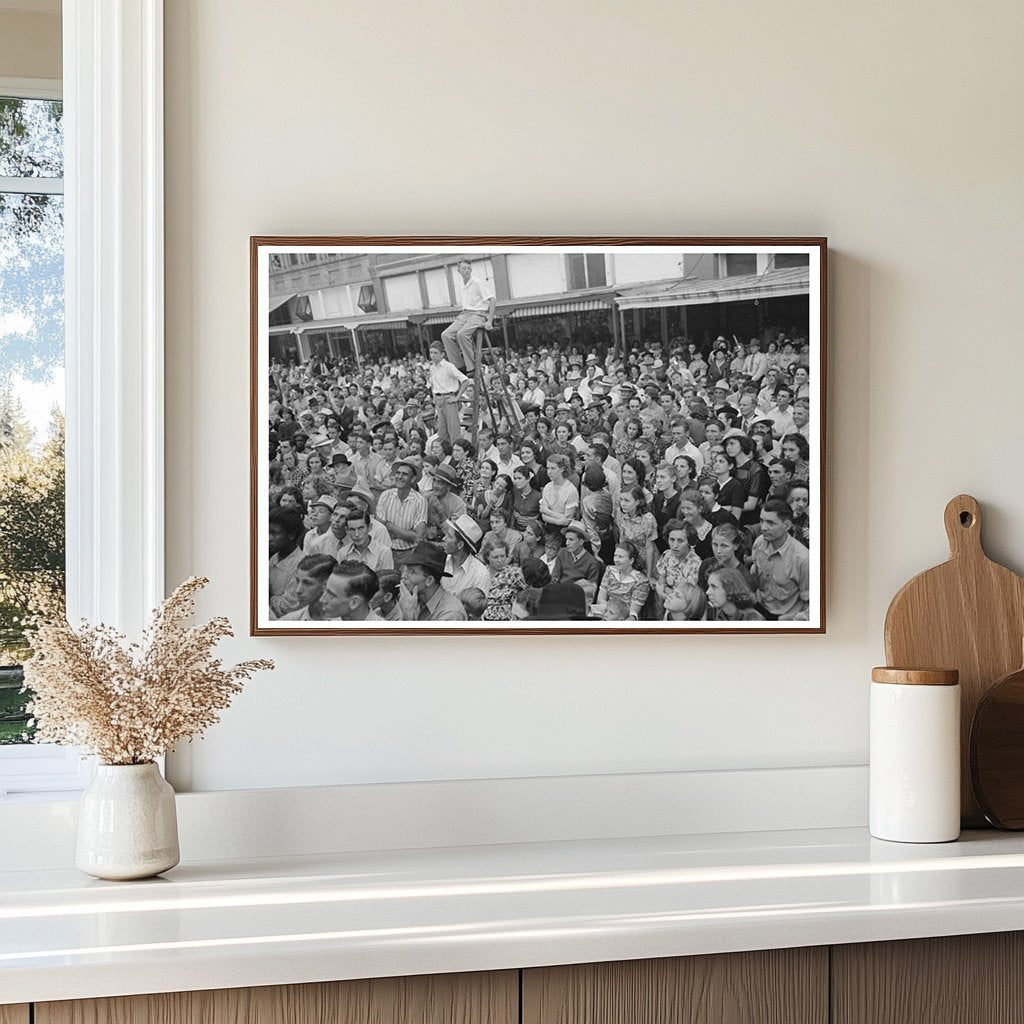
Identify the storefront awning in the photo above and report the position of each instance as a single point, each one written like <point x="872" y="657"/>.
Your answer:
<point x="277" y="301"/>
<point x="554" y="306"/>
<point x="439" y="318"/>
<point x="330" y="324"/>
<point x="348" y="323"/>
<point x="283" y="329"/>
<point x="383" y="323"/>
<point x="775" y="283"/>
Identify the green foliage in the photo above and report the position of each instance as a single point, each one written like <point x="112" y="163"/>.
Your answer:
<point x="14" y="719"/>
<point x="31" y="525"/>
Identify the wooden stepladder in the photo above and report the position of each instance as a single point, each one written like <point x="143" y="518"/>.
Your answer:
<point x="498" y="402"/>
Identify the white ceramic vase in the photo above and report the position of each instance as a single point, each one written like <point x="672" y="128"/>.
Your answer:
<point x="127" y="825"/>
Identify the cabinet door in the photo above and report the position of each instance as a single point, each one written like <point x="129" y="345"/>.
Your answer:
<point x="14" y="1014"/>
<point x="482" y="998"/>
<point x="960" y="979"/>
<point x="778" y="986"/>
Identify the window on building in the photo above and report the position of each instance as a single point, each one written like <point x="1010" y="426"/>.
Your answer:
<point x="367" y="301"/>
<point x="32" y="531"/>
<point x="788" y="260"/>
<point x="740" y="264"/>
<point x="586" y="270"/>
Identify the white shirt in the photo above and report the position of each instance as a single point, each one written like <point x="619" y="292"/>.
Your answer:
<point x="445" y="377"/>
<point x="756" y="364"/>
<point x="377" y="556"/>
<point x="471" y="573"/>
<point x="321" y="543"/>
<point x="475" y="296"/>
<point x="674" y="451"/>
<point x="514" y="462"/>
<point x="582" y="388"/>
<point x="783" y="420"/>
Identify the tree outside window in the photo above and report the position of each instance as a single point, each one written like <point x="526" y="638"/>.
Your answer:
<point x="32" y="533"/>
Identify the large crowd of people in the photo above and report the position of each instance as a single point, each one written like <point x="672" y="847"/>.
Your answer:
<point x="673" y="483"/>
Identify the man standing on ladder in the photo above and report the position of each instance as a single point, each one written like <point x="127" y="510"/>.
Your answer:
<point x="477" y="311"/>
<point x="447" y="384"/>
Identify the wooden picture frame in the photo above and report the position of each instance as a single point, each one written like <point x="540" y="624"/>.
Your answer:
<point x="328" y="317"/>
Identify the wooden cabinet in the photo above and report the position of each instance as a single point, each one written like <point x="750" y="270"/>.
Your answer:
<point x="967" y="979"/>
<point x="961" y="979"/>
<point x="777" y="986"/>
<point x="481" y="998"/>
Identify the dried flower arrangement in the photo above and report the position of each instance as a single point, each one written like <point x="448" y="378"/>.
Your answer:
<point x="130" y="703"/>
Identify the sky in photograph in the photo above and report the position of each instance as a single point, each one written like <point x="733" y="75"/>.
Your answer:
<point x="31" y="264"/>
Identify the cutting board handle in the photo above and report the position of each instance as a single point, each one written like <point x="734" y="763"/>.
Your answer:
<point x="963" y="526"/>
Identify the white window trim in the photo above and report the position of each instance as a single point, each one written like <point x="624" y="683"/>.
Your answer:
<point x="113" y="159"/>
<point x="32" y="88"/>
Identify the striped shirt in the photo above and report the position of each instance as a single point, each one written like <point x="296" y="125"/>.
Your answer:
<point x="406" y="515"/>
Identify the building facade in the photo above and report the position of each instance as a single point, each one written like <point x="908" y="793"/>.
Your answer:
<point x="381" y="305"/>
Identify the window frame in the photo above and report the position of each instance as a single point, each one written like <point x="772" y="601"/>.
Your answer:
<point x="38" y="767"/>
<point x="112" y="89"/>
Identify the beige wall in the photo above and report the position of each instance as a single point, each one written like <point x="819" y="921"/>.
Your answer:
<point x="895" y="129"/>
<point x="29" y="44"/>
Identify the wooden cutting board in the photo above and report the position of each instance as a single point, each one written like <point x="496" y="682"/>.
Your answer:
<point x="967" y="614"/>
<point x="997" y="752"/>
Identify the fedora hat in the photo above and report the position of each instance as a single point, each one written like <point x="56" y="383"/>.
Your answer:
<point x="469" y="530"/>
<point x="448" y="475"/>
<point x="429" y="555"/>
<point x="577" y="527"/>
<point x="733" y="432"/>
<point x="366" y="494"/>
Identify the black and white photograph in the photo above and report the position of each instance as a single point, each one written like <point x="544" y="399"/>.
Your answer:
<point x="537" y="435"/>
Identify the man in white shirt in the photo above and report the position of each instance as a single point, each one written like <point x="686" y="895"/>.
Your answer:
<point x="361" y="546"/>
<point x="578" y="386"/>
<point x="477" y="311"/>
<point x="756" y="363"/>
<point x="801" y="417"/>
<point x="682" y="445"/>
<point x="781" y="414"/>
<point x="447" y="383"/>
<point x="507" y="460"/>
<point x="534" y="394"/>
<point x="321" y="540"/>
<point x="461" y="542"/>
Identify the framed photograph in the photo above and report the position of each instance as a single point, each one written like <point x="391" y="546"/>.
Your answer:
<point x="537" y="435"/>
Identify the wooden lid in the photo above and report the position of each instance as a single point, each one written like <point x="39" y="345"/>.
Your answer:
<point x="916" y="676"/>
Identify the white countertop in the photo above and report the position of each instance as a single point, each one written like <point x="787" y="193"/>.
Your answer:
<point x="224" y="924"/>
